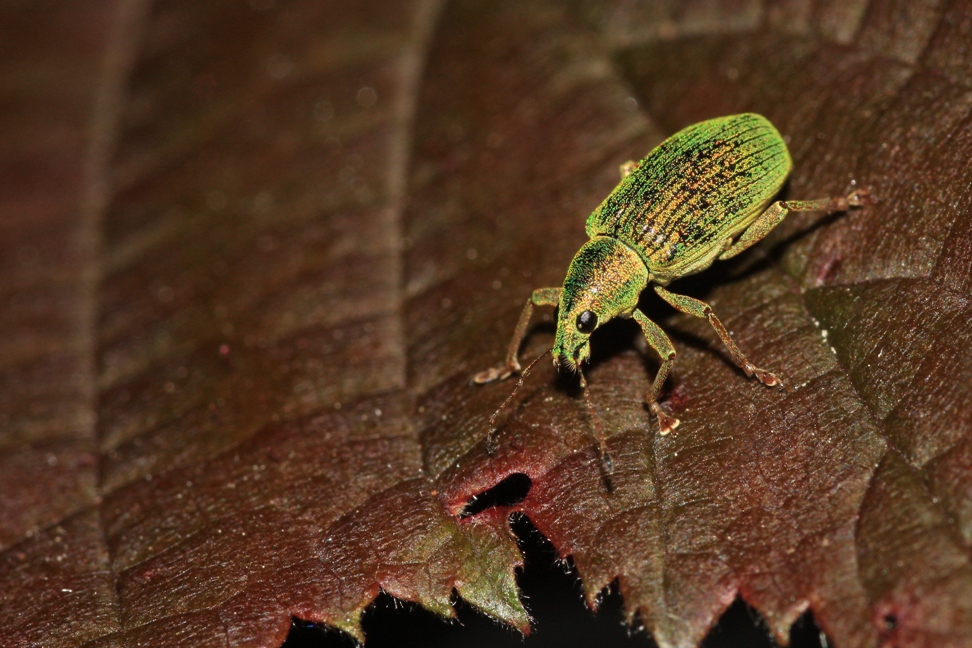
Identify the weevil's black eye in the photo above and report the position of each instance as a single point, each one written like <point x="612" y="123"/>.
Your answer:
<point x="586" y="322"/>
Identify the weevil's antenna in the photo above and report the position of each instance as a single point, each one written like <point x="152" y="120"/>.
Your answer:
<point x="490" y="439"/>
<point x="607" y="463"/>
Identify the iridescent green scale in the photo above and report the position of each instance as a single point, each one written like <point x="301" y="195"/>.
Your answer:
<point x="701" y="186"/>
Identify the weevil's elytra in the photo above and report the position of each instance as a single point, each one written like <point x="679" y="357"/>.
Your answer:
<point x="704" y="193"/>
<point x="695" y="191"/>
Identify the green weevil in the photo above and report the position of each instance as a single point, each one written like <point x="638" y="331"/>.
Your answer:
<point x="702" y="194"/>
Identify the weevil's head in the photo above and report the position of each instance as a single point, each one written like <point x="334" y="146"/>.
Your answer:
<point x="603" y="281"/>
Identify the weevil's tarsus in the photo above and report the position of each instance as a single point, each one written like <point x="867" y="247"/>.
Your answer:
<point x="540" y="297"/>
<point x="491" y="437"/>
<point x="860" y="196"/>
<point x="698" y="308"/>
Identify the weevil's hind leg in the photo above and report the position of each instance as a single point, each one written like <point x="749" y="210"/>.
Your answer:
<point x="628" y="168"/>
<point x="661" y="344"/>
<point x="697" y="308"/>
<point x="775" y="213"/>
<point x="540" y="297"/>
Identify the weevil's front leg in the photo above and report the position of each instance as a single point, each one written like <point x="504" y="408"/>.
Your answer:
<point x="697" y="308"/>
<point x="540" y="297"/>
<point x="660" y="343"/>
<point x="628" y="168"/>
<point x="776" y="212"/>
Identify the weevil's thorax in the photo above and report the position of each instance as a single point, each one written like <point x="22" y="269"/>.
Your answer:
<point x="605" y="279"/>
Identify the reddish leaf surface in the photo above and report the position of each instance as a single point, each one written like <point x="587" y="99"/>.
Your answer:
<point x="253" y="254"/>
<point x="207" y="430"/>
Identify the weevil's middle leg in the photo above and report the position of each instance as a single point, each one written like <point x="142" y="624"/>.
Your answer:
<point x="660" y="343"/>
<point x="540" y="297"/>
<point x="697" y="308"/>
<point x="775" y="213"/>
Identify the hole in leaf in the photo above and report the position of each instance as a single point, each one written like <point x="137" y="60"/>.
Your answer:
<point x="890" y="622"/>
<point x="509" y="492"/>
<point x="306" y="634"/>
<point x="887" y="620"/>
<point x="805" y="633"/>
<point x="553" y="596"/>
<point x="552" y="593"/>
<point x="739" y="625"/>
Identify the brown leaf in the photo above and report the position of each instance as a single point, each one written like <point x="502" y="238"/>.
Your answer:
<point x="238" y="448"/>
<point x="825" y="496"/>
<point x="254" y="252"/>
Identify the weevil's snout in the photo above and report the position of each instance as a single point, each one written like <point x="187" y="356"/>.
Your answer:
<point x="582" y="353"/>
<point x="571" y="351"/>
